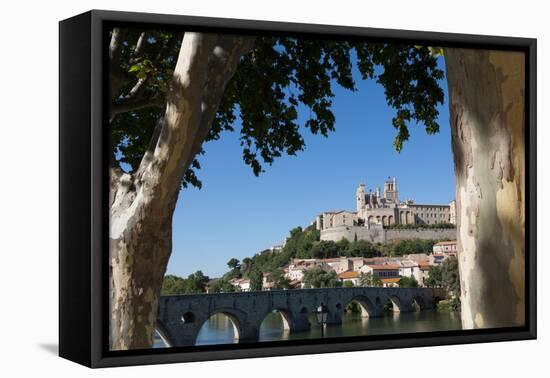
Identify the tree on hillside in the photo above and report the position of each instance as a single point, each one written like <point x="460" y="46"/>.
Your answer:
<point x="234" y="264"/>
<point x="171" y="91"/>
<point x="222" y="286"/>
<point x="369" y="280"/>
<point x="450" y="276"/>
<point x="408" y="246"/>
<point x="434" y="277"/>
<point x="256" y="280"/>
<point x="324" y="249"/>
<point x="279" y="280"/>
<point x="317" y="278"/>
<point x="347" y="284"/>
<point x="246" y="264"/>
<point x="408" y="282"/>
<point x="194" y="283"/>
<point x="362" y="248"/>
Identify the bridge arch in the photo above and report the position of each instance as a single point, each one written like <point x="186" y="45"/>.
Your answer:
<point x="275" y="324"/>
<point x="285" y="315"/>
<point x="418" y="303"/>
<point x="396" y="303"/>
<point x="164" y="335"/>
<point x="233" y="317"/>
<point x="368" y="309"/>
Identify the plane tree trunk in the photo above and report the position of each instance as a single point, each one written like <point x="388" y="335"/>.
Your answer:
<point x="142" y="204"/>
<point x="486" y="90"/>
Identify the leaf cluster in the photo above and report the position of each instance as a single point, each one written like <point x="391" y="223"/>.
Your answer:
<point x="282" y="89"/>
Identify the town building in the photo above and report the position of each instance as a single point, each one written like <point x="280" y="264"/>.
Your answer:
<point x="445" y="247"/>
<point x="381" y="270"/>
<point x="424" y="267"/>
<point x="242" y="284"/>
<point x="350" y="276"/>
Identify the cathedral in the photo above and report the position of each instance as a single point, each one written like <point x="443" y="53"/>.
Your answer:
<point x="376" y="209"/>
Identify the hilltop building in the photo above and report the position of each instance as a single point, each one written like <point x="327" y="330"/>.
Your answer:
<point x="376" y="210"/>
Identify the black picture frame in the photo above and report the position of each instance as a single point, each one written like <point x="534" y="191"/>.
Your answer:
<point x="83" y="181"/>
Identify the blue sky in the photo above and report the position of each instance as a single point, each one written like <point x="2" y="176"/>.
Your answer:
<point x="237" y="214"/>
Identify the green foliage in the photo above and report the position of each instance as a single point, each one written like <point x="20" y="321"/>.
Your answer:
<point x="347" y="284"/>
<point x="408" y="282"/>
<point x="407" y="246"/>
<point x="353" y="307"/>
<point x="235" y="269"/>
<point x="454" y="304"/>
<point x="153" y="62"/>
<point x="449" y="305"/>
<point x="256" y="280"/>
<point x="369" y="280"/>
<point x="434" y="277"/>
<point x="324" y="249"/>
<point x="279" y="280"/>
<point x="450" y="276"/>
<point x="362" y="248"/>
<point x="450" y="280"/>
<point x="234" y="264"/>
<point x="318" y="278"/>
<point x="222" y="286"/>
<point x="246" y="265"/>
<point x="282" y="77"/>
<point x="306" y="244"/>
<point x="194" y="283"/>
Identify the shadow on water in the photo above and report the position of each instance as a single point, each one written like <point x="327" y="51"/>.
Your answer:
<point x="353" y="324"/>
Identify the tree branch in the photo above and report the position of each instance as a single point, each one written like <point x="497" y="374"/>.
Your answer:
<point x="222" y="66"/>
<point x="117" y="76"/>
<point x="131" y="105"/>
<point x="139" y="45"/>
<point x="205" y="65"/>
<point x="160" y="171"/>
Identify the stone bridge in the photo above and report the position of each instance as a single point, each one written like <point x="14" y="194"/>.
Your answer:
<point x="180" y="317"/>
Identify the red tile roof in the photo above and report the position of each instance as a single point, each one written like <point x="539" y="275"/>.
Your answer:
<point x="424" y="264"/>
<point x="391" y="280"/>
<point x="349" y="274"/>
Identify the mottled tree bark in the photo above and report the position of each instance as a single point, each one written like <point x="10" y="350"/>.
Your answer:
<point x="142" y="204"/>
<point x="486" y="90"/>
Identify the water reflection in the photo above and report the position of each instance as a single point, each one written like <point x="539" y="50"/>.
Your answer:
<point x="220" y="329"/>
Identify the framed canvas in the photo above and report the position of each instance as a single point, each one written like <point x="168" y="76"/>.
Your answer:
<point x="234" y="188"/>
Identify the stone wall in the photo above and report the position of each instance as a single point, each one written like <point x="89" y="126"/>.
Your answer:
<point x="443" y="233"/>
<point x="352" y="233"/>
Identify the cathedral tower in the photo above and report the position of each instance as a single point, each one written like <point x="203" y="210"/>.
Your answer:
<point x="360" y="197"/>
<point x="390" y="190"/>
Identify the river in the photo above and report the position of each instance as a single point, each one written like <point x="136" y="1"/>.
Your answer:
<point x="219" y="330"/>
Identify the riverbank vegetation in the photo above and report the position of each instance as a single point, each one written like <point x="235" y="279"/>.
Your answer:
<point x="446" y="276"/>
